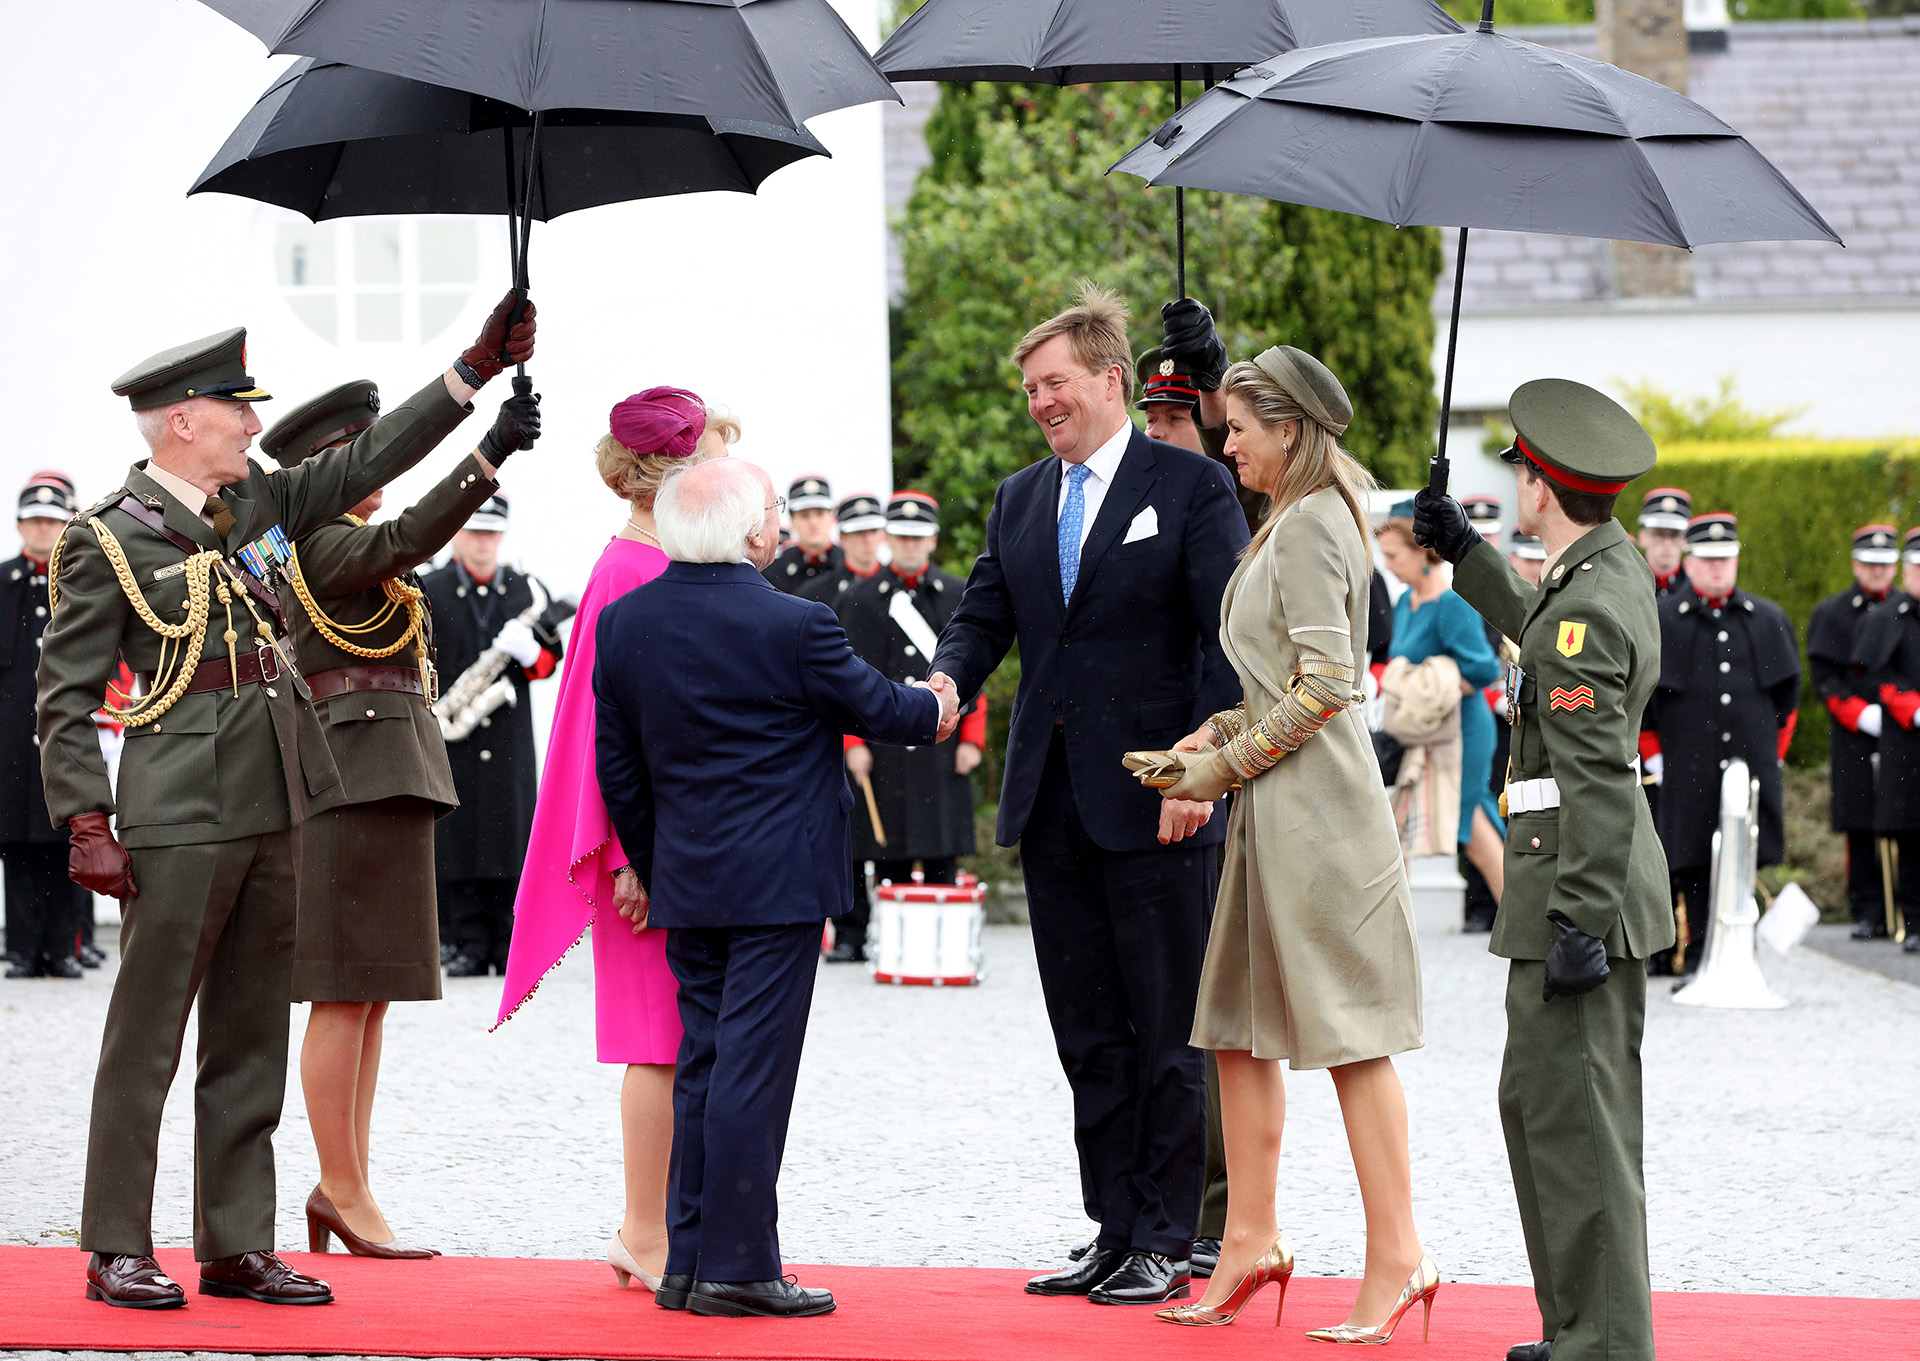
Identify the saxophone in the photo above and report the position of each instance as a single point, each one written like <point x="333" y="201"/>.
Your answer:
<point x="484" y="686"/>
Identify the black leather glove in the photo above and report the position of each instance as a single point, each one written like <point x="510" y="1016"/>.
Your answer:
<point x="96" y="861"/>
<point x="1192" y="343"/>
<point x="496" y="346"/>
<point x="515" y="428"/>
<point x="1577" y="962"/>
<point x="1440" y="523"/>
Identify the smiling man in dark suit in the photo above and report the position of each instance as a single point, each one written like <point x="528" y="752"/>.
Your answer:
<point x="1106" y="563"/>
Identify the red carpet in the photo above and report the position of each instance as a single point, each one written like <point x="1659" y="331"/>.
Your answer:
<point x="496" y="1307"/>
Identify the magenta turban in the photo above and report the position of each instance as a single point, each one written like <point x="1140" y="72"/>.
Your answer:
<point x="666" y="421"/>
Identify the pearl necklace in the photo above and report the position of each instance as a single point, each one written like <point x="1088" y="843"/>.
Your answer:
<point x="646" y="533"/>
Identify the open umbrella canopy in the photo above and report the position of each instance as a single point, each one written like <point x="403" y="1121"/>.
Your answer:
<point x="769" y="61"/>
<point x="1070" y="42"/>
<point x="329" y="140"/>
<point x="1478" y="130"/>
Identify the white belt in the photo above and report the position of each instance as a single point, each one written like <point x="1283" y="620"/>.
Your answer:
<point x="1537" y="796"/>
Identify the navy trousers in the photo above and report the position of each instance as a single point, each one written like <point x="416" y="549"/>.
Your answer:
<point x="745" y="993"/>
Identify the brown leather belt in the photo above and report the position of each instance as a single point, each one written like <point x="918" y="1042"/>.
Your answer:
<point x="345" y="680"/>
<point x="213" y="674"/>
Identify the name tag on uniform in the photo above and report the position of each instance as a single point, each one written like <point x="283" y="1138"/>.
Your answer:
<point x="162" y="573"/>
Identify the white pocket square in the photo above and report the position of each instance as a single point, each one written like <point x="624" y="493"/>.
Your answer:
<point x="1145" y="525"/>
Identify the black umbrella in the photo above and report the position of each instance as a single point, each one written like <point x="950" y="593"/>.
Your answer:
<point x="1478" y="130"/>
<point x="771" y="61"/>
<point x="1074" y="42"/>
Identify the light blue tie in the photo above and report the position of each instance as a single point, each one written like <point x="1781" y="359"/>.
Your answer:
<point x="1071" y="519"/>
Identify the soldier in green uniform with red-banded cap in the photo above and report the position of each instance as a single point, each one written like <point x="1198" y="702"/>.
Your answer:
<point x="1586" y="892"/>
<point x="178" y="572"/>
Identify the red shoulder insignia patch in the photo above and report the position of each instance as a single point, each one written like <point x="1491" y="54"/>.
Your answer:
<point x="1580" y="697"/>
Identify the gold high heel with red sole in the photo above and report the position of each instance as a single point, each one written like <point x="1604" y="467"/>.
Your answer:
<point x="1276" y="1265"/>
<point x="1423" y="1285"/>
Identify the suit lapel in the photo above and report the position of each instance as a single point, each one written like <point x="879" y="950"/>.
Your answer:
<point x="1132" y="480"/>
<point x="1038" y="538"/>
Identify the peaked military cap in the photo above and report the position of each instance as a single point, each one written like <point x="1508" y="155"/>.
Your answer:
<point x="213" y="366"/>
<point x="47" y="496"/>
<point x="1526" y="546"/>
<point x="913" y="514"/>
<point x="1666" y="508"/>
<point x="327" y="419"/>
<point x="1483" y="513"/>
<point x="491" y="516"/>
<point x="1160" y="381"/>
<point x="809" y="493"/>
<point x="1578" y="436"/>
<point x="1310" y="383"/>
<point x="1910" y="546"/>
<point x="860" y="512"/>
<point x="1876" y="543"/>
<point x="1714" y="535"/>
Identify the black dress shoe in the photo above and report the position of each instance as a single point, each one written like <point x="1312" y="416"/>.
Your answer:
<point x="673" y="1289"/>
<point x="91" y="957"/>
<point x="1869" y="928"/>
<point x="1206" y="1256"/>
<point x="466" y="966"/>
<point x="846" y="952"/>
<point x="25" y="968"/>
<point x="1911" y="945"/>
<point x="129" y="1282"/>
<point x="1145" y="1278"/>
<point x="261" y="1276"/>
<point x="447" y="953"/>
<point x="1094" y="1267"/>
<point x="69" y="967"/>
<point x="1530" y="1351"/>
<point x="757" y="1299"/>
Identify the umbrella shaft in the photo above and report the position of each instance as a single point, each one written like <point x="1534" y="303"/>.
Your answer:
<point x="1179" y="209"/>
<point x="1437" y="475"/>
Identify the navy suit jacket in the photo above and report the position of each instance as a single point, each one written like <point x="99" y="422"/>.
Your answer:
<point x="1133" y="662"/>
<point x="720" y="704"/>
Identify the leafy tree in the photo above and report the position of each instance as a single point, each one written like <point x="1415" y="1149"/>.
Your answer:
<point x="1673" y="420"/>
<point x="1016" y="207"/>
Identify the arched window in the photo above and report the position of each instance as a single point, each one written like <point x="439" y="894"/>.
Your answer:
<point x="377" y="280"/>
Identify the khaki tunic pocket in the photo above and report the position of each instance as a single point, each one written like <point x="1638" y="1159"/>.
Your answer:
<point x="370" y="706"/>
<point x="170" y="769"/>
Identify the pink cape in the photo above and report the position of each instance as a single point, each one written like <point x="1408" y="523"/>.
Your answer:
<point x="567" y="880"/>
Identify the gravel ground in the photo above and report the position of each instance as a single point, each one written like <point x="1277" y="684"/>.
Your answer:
<point x="932" y="1129"/>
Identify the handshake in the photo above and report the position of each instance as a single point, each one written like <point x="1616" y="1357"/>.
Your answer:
<point x="948" y="694"/>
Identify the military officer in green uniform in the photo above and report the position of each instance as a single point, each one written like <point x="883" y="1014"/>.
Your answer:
<point x="1586" y="895"/>
<point x="177" y="572"/>
<point x="367" y="932"/>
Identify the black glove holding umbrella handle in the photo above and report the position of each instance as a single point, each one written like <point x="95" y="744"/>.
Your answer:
<point x="1440" y="523"/>
<point x="516" y="426"/>
<point x="1193" y="344"/>
<point x="1577" y="962"/>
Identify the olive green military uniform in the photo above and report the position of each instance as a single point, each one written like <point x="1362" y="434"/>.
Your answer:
<point x="210" y="800"/>
<point x="368" y="929"/>
<point x="1570" y="1086"/>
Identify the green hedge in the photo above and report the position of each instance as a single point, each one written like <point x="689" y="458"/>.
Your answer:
<point x="1799" y="502"/>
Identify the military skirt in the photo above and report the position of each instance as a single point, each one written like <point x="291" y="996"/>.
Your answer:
<point x="368" y="928"/>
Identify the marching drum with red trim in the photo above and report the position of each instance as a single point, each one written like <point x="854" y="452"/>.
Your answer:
<point x="929" y="934"/>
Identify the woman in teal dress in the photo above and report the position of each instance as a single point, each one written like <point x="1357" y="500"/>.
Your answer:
<point x="1429" y="620"/>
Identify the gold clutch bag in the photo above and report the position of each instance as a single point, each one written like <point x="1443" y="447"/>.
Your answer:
<point x="1161" y="769"/>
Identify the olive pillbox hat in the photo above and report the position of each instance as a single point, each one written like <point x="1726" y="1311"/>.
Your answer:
<point x="327" y="419"/>
<point x="1311" y="384"/>
<point x="213" y="366"/>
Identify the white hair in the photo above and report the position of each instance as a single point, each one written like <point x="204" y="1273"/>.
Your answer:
<point x="155" y="425"/>
<point x="705" y="513"/>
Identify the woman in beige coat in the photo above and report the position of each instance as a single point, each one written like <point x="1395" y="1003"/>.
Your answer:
<point x="1312" y="956"/>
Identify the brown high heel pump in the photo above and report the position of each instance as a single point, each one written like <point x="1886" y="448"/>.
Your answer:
<point x="323" y="1219"/>
<point x="1276" y="1265"/>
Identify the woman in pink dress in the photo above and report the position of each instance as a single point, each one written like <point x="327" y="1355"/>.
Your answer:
<point x="573" y="875"/>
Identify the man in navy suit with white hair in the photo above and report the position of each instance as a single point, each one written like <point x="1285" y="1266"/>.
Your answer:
<point x="1106" y="563"/>
<point x="720" y="705"/>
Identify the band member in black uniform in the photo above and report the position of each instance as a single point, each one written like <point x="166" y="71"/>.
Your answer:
<point x="862" y="522"/>
<point x="1664" y="515"/>
<point x="813" y="553"/>
<point x="922" y="797"/>
<point x="481" y="604"/>
<point x="1833" y="636"/>
<point x="1729" y="687"/>
<point x="44" y="906"/>
<point x="1889" y="650"/>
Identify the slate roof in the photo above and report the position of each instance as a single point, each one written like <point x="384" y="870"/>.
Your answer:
<point x="1836" y="105"/>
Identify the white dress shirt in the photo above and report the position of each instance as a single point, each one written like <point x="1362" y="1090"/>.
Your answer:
<point x="1101" y="467"/>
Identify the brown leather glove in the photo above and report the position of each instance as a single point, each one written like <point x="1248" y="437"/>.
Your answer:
<point x="96" y="861"/>
<point x="496" y="346"/>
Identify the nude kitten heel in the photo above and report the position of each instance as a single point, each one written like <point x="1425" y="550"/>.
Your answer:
<point x="624" y="1267"/>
